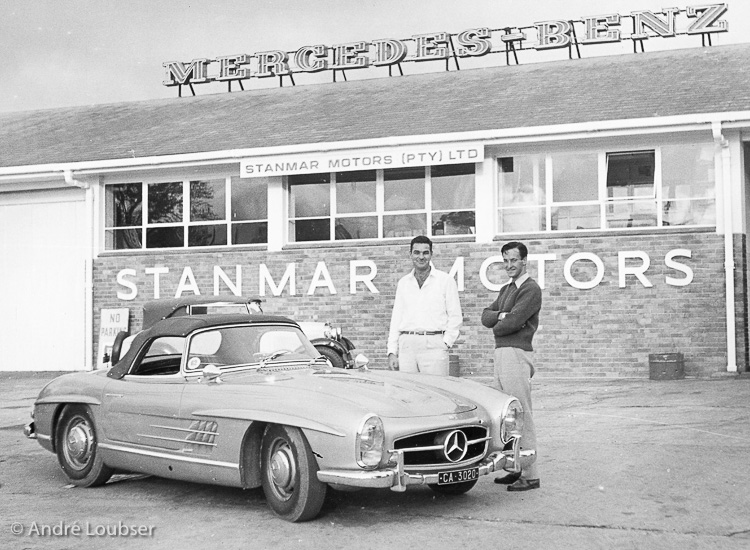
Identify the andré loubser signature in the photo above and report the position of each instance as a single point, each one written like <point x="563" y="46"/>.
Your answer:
<point x="82" y="529"/>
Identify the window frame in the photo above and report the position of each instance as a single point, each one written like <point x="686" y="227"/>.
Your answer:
<point x="380" y="213"/>
<point x="186" y="223"/>
<point x="605" y="204"/>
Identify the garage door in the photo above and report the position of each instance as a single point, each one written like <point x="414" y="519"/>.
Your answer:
<point x="42" y="280"/>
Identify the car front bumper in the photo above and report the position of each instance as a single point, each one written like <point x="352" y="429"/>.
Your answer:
<point x="30" y="430"/>
<point x="398" y="479"/>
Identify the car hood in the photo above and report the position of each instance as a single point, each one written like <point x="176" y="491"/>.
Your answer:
<point x="387" y="393"/>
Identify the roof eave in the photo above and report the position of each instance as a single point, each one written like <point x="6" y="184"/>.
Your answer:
<point x="572" y="131"/>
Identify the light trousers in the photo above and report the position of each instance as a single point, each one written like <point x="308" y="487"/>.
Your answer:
<point x="513" y="371"/>
<point x="423" y="353"/>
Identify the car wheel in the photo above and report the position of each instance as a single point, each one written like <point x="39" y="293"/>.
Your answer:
<point x="77" y="448"/>
<point x="454" y="488"/>
<point x="336" y="360"/>
<point x="289" y="474"/>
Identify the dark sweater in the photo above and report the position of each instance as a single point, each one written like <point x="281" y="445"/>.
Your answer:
<point x="522" y="306"/>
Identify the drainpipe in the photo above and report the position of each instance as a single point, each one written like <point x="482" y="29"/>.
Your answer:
<point x="89" y="290"/>
<point x="722" y="146"/>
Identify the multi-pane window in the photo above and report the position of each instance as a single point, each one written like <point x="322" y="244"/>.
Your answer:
<point x="356" y="205"/>
<point x="521" y="192"/>
<point x="404" y="194"/>
<point x="687" y="185"/>
<point x="310" y="207"/>
<point x="575" y="196"/>
<point x="249" y="207"/>
<point x="372" y="204"/>
<point x="208" y="213"/>
<point x="123" y="204"/>
<point x="164" y="227"/>
<point x="186" y="213"/>
<point x="453" y="192"/>
<point x="568" y="191"/>
<point x="631" y="189"/>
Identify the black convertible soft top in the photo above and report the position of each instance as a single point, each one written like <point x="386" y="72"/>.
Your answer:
<point x="156" y="310"/>
<point x="184" y="325"/>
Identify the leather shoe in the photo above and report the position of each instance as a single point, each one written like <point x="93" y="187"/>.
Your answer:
<point x="524" y="485"/>
<point x="508" y="479"/>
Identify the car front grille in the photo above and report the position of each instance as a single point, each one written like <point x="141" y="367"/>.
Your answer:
<point x="429" y="449"/>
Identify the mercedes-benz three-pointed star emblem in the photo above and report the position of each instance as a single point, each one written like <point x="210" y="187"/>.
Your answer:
<point x="455" y="446"/>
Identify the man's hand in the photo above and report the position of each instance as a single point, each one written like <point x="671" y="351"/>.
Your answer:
<point x="501" y="315"/>
<point x="392" y="362"/>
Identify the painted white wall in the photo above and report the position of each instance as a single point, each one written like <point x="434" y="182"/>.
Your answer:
<point x="42" y="280"/>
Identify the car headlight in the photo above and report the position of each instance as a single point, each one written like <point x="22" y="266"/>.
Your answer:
<point x="369" y="446"/>
<point x="512" y="421"/>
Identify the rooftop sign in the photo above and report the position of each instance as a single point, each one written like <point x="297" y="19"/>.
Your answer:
<point x="386" y="52"/>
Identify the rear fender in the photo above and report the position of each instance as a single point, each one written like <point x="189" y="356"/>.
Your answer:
<point x="338" y="347"/>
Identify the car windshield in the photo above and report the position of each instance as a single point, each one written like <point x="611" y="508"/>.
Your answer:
<point x="247" y="345"/>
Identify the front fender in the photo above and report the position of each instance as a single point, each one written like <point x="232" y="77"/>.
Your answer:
<point x="271" y="418"/>
<point x="69" y="398"/>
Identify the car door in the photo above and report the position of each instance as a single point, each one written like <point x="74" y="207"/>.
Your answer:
<point x="143" y="407"/>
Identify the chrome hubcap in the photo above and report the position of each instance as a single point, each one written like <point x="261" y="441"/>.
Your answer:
<point x="79" y="444"/>
<point x="282" y="469"/>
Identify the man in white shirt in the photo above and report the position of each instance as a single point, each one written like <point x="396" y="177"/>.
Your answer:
<point x="426" y="317"/>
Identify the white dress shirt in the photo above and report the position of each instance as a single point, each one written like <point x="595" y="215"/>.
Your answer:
<point x="434" y="307"/>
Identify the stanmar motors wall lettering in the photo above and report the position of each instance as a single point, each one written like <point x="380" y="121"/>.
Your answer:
<point x="632" y="268"/>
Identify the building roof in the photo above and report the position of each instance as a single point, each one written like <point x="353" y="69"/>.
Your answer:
<point x="632" y="86"/>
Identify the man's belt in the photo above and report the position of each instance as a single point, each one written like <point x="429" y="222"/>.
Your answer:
<point x="423" y="332"/>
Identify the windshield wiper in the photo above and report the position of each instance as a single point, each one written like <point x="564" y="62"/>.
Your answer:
<point x="273" y="356"/>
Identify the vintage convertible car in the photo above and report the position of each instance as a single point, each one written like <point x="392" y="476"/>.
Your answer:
<point x="246" y="401"/>
<point x="328" y="340"/>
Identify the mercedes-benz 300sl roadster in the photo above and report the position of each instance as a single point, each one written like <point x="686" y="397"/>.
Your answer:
<point x="246" y="401"/>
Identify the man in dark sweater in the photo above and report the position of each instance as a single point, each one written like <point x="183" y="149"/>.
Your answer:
<point x="514" y="318"/>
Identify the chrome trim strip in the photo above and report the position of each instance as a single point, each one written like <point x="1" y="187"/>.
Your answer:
<point x="168" y="456"/>
<point x="176" y="440"/>
<point x="45" y="437"/>
<point x="184" y="429"/>
<point x="438" y="447"/>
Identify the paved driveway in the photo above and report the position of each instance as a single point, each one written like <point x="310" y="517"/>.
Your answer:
<point x="625" y="464"/>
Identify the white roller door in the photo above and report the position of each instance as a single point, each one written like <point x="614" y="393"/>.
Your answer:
<point x="42" y="280"/>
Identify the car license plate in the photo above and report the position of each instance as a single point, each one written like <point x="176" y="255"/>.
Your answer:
<point x="446" y="478"/>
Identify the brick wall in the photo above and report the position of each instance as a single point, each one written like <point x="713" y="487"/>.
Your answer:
<point x="606" y="331"/>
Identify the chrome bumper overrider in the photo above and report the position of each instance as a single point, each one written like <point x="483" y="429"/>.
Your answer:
<point x="29" y="430"/>
<point x="397" y="479"/>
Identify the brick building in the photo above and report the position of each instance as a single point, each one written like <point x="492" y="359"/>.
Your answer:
<point x="625" y="175"/>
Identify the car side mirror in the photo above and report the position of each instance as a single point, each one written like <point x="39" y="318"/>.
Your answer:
<point x="361" y="361"/>
<point x="211" y="374"/>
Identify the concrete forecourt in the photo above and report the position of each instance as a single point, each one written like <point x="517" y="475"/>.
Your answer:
<point x="663" y="464"/>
